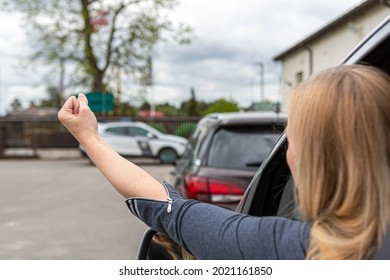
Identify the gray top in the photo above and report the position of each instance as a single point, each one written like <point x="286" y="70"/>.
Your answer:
<point x="211" y="232"/>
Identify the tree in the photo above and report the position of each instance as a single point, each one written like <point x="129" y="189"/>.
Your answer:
<point x="193" y="109"/>
<point x="222" y="106"/>
<point x="167" y="109"/>
<point x="124" y="108"/>
<point x="191" y="106"/>
<point x="16" y="105"/>
<point x="55" y="98"/>
<point x="102" y="41"/>
<point x="145" y="106"/>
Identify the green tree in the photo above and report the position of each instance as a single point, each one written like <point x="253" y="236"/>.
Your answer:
<point x="16" y="104"/>
<point x="167" y="109"/>
<point x="222" y="106"/>
<point x="191" y="106"/>
<point x="103" y="41"/>
<point x="145" y="106"/>
<point x="124" y="108"/>
<point x="202" y="105"/>
<point x="55" y="98"/>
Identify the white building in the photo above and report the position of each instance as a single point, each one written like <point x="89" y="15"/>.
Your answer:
<point x="328" y="46"/>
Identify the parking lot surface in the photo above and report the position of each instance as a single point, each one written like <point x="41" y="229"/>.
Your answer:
<point x="66" y="210"/>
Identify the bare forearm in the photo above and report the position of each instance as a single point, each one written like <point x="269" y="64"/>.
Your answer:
<point x="127" y="178"/>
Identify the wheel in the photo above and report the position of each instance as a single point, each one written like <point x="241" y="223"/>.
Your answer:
<point x="167" y="156"/>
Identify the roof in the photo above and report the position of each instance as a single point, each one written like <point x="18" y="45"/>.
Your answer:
<point x="149" y="113"/>
<point x="33" y="114"/>
<point x="368" y="4"/>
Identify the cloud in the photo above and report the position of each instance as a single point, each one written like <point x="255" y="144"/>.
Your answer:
<point x="231" y="36"/>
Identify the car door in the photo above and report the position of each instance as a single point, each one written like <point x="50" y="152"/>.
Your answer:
<point x="121" y="139"/>
<point x="142" y="138"/>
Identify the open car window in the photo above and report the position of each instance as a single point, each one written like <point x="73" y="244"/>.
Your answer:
<point x="288" y="207"/>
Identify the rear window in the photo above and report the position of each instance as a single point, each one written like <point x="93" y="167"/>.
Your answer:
<point x="241" y="147"/>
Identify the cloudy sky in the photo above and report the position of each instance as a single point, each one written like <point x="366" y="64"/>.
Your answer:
<point x="231" y="36"/>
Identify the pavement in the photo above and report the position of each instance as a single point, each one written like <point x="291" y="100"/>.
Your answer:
<point x="66" y="209"/>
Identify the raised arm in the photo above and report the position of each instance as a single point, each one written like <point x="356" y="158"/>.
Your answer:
<point x="127" y="178"/>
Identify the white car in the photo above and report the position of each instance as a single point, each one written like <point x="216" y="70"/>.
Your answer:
<point x="137" y="139"/>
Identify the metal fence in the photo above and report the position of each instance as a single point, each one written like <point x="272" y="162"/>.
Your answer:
<point x="50" y="133"/>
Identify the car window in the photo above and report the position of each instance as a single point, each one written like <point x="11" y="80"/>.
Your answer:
<point x="118" y="130"/>
<point x="137" y="131"/>
<point x="263" y="196"/>
<point x="199" y="143"/>
<point x="241" y="147"/>
<point x="288" y="207"/>
<point x="192" y="141"/>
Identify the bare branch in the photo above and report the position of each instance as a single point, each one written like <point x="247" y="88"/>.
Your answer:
<point x="112" y="34"/>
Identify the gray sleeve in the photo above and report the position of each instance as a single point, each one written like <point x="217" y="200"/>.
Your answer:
<point x="211" y="232"/>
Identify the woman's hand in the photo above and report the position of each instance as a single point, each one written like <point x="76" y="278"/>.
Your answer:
<point x="76" y="116"/>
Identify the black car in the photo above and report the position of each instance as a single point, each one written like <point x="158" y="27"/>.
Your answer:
<point x="223" y="154"/>
<point x="271" y="191"/>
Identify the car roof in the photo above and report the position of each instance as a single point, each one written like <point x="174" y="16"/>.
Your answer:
<point x="116" y="123"/>
<point x="104" y="125"/>
<point x="243" y="118"/>
<point x="124" y="123"/>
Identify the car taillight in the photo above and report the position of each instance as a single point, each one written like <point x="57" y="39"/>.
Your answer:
<point x="213" y="190"/>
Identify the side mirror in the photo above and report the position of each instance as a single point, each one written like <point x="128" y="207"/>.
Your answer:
<point x="150" y="135"/>
<point x="156" y="246"/>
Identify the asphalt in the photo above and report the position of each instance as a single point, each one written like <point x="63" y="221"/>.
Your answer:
<point x="58" y="210"/>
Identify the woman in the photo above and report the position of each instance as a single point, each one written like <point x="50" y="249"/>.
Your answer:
<point x="339" y="126"/>
<point x="339" y="155"/>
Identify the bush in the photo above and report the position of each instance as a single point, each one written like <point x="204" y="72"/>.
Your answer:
<point x="185" y="129"/>
<point x="160" y="127"/>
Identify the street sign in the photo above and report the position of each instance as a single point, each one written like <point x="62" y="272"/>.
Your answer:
<point x="101" y="102"/>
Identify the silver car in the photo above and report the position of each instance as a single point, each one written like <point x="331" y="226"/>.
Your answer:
<point x="137" y="139"/>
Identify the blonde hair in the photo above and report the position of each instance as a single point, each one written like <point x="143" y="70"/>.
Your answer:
<point x="172" y="248"/>
<point x="340" y="122"/>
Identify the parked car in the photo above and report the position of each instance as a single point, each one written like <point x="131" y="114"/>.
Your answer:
<point x="223" y="154"/>
<point x="137" y="139"/>
<point x="270" y="193"/>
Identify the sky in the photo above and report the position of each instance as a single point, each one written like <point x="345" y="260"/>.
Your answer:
<point x="231" y="38"/>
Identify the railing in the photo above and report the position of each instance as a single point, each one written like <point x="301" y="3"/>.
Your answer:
<point x="50" y="133"/>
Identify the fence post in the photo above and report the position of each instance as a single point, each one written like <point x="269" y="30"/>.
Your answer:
<point x="3" y="132"/>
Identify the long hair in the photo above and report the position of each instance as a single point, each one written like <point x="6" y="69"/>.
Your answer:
<point x="340" y="122"/>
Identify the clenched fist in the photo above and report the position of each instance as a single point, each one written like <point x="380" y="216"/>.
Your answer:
<point x="78" y="118"/>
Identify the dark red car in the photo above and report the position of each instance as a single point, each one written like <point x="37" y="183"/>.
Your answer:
<point x="223" y="155"/>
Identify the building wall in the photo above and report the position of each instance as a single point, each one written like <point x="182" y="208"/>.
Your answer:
<point x="328" y="50"/>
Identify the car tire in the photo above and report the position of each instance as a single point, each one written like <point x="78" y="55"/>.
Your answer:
<point x="167" y="156"/>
